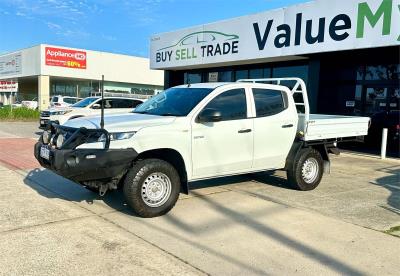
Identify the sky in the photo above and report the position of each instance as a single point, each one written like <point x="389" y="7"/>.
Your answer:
<point x="110" y="25"/>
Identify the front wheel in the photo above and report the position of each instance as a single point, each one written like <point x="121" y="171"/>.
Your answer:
<point x="152" y="187"/>
<point x="306" y="174"/>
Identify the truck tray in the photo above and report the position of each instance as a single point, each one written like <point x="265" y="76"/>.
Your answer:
<point x="321" y="126"/>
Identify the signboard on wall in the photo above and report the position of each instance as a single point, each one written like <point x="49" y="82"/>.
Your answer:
<point x="314" y="27"/>
<point x="8" y="86"/>
<point x="65" y="58"/>
<point x="10" y="64"/>
<point x="213" y="77"/>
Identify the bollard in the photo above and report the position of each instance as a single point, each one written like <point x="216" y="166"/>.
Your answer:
<point x="384" y="143"/>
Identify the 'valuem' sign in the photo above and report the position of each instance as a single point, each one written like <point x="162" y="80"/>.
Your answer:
<point x="319" y="26"/>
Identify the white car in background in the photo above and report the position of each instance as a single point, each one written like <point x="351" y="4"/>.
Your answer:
<point x="90" y="106"/>
<point x="30" y="104"/>
<point x="63" y="101"/>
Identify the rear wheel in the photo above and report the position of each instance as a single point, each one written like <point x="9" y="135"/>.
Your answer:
<point x="152" y="187"/>
<point x="306" y="174"/>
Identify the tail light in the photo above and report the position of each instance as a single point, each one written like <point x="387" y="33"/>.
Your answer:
<point x="397" y="127"/>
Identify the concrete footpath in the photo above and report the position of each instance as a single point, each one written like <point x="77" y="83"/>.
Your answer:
<point x="56" y="227"/>
<point x="244" y="225"/>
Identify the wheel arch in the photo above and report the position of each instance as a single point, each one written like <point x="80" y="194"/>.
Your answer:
<point x="299" y="145"/>
<point x="174" y="158"/>
<point x="321" y="148"/>
<point x="294" y="151"/>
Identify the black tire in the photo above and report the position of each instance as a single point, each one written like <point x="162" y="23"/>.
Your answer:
<point x="304" y="182"/>
<point x="139" y="176"/>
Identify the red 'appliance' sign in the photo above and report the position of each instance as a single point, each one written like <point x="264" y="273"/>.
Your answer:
<point x="65" y="58"/>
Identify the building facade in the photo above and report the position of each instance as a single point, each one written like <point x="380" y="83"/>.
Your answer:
<point x="346" y="51"/>
<point x="42" y="71"/>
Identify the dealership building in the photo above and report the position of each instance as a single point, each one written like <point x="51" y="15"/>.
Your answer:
<point x="42" y="71"/>
<point x="347" y="52"/>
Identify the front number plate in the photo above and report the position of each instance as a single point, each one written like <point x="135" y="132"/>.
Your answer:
<point x="45" y="152"/>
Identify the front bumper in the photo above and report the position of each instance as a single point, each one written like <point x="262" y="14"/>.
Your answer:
<point x="81" y="165"/>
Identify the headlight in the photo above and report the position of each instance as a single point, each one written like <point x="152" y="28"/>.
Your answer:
<point x="117" y="136"/>
<point x="46" y="137"/>
<point x="60" y="141"/>
<point x="61" y="112"/>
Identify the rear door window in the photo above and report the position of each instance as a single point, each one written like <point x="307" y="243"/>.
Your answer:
<point x="69" y="100"/>
<point x="125" y="103"/>
<point x="108" y="103"/>
<point x="134" y="103"/>
<point x="268" y="102"/>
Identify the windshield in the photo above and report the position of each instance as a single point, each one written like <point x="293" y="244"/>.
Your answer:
<point x="173" y="102"/>
<point x="85" y="102"/>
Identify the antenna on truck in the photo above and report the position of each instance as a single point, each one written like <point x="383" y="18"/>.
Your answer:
<point x="102" y="102"/>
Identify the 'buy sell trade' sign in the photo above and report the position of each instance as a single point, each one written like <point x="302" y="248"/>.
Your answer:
<point x="65" y="58"/>
<point x="314" y="27"/>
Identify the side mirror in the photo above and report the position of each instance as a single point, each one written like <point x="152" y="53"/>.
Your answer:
<point x="96" y="106"/>
<point x="209" y="115"/>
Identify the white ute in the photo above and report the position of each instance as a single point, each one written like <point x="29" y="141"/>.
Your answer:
<point x="90" y="106"/>
<point x="199" y="131"/>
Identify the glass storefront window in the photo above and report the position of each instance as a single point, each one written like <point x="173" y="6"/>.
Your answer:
<point x="357" y="100"/>
<point x="192" y="78"/>
<point x="256" y="74"/>
<point x="242" y="74"/>
<point x="383" y="72"/>
<point x="376" y="73"/>
<point x="375" y="100"/>
<point x="394" y="100"/>
<point x="291" y="71"/>
<point x="360" y="73"/>
<point x="70" y="90"/>
<point x="225" y="76"/>
<point x="267" y="73"/>
<point x="89" y="88"/>
<point x="60" y="89"/>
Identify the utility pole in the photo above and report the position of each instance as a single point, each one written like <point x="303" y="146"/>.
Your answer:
<point x="102" y="103"/>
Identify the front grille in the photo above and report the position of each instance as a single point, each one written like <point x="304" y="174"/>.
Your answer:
<point x="45" y="114"/>
<point x="74" y="137"/>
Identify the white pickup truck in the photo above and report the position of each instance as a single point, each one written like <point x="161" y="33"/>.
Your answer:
<point x="200" y="131"/>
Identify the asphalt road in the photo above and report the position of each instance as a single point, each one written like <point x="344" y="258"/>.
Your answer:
<point x="251" y="224"/>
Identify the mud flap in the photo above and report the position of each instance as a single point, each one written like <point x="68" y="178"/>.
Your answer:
<point x="327" y="166"/>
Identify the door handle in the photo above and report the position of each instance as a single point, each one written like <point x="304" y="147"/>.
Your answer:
<point x="287" y="126"/>
<point x="244" y="130"/>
